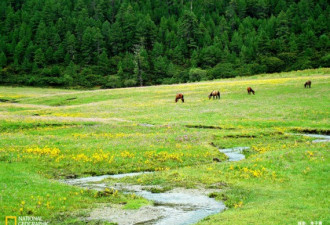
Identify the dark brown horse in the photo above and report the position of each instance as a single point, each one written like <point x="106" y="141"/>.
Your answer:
<point x="179" y="96"/>
<point x="215" y="94"/>
<point x="308" y="84"/>
<point x="249" y="90"/>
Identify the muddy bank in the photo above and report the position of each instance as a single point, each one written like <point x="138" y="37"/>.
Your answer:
<point x="312" y="131"/>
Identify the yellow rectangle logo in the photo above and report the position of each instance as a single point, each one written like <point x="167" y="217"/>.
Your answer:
<point x="9" y="220"/>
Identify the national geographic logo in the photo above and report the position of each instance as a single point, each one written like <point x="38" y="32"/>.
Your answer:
<point x="11" y="220"/>
<point x="24" y="220"/>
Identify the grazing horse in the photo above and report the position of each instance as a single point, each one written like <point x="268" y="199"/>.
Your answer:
<point x="179" y="96"/>
<point x="215" y="94"/>
<point x="308" y="84"/>
<point x="249" y="90"/>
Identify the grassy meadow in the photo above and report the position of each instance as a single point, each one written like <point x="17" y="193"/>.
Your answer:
<point x="52" y="134"/>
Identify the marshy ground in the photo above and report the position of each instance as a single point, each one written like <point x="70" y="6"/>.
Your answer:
<point x="48" y="135"/>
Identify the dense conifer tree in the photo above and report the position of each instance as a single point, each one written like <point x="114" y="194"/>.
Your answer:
<point x="129" y="42"/>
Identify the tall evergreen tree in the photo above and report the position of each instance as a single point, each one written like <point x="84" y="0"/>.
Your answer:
<point x="100" y="37"/>
<point x="39" y="58"/>
<point x="3" y="60"/>
<point x="103" y="63"/>
<point x="147" y="32"/>
<point x="189" y="30"/>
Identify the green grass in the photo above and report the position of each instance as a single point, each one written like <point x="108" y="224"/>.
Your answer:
<point x="136" y="203"/>
<point x="45" y="137"/>
<point x="25" y="192"/>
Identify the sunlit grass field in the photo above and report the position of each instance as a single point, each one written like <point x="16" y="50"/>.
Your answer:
<point x="52" y="134"/>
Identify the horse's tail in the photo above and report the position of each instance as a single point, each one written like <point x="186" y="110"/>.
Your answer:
<point x="182" y="98"/>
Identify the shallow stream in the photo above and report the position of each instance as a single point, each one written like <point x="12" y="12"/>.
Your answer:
<point x="320" y="137"/>
<point x="178" y="206"/>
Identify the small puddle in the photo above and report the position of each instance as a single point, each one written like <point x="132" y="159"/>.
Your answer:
<point x="178" y="206"/>
<point x="234" y="154"/>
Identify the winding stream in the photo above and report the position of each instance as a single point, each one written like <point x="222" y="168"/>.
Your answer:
<point x="178" y="206"/>
<point x="320" y="137"/>
<point x="183" y="207"/>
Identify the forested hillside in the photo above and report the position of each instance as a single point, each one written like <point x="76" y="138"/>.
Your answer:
<point x="117" y="43"/>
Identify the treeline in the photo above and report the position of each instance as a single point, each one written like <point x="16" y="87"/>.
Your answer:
<point x="118" y="43"/>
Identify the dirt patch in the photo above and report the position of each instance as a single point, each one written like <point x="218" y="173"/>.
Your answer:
<point x="8" y="100"/>
<point x="145" y="214"/>
<point x="207" y="127"/>
<point x="213" y="145"/>
<point x="240" y="136"/>
<point x="4" y="100"/>
<point x="69" y="99"/>
<point x="216" y="160"/>
<point x="312" y="131"/>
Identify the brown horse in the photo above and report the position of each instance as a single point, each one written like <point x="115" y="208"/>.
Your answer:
<point x="179" y="96"/>
<point x="249" y="90"/>
<point x="215" y="94"/>
<point x="308" y="84"/>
